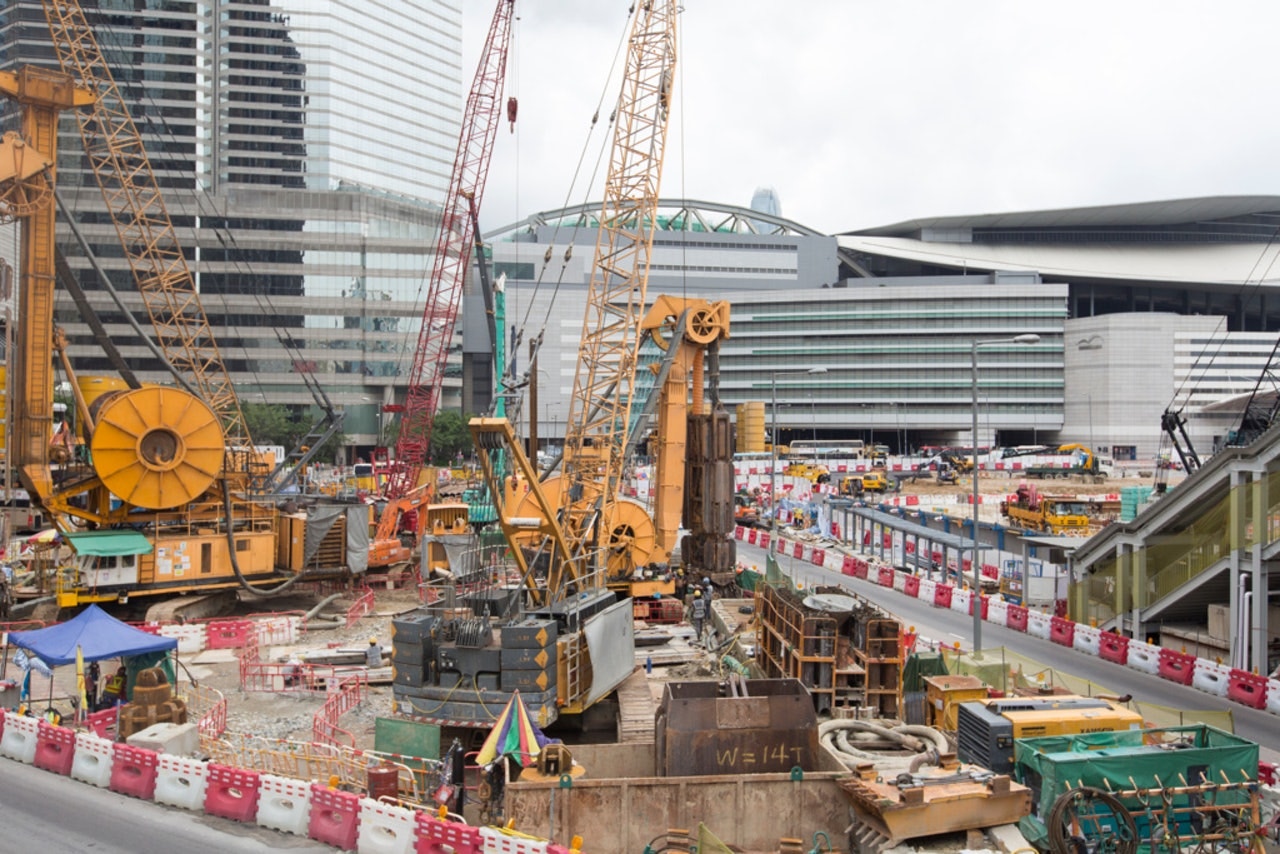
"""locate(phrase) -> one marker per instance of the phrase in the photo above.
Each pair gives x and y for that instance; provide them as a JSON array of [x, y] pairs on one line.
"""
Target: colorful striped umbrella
[[513, 734]]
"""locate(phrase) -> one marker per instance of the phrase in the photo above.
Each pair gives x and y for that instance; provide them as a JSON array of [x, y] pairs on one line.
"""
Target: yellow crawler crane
[[166, 488]]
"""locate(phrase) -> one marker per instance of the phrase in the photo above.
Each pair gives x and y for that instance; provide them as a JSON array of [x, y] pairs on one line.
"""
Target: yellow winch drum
[[156, 447]]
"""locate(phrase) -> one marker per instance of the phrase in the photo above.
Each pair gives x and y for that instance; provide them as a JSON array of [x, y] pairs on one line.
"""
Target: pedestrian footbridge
[[1214, 538]]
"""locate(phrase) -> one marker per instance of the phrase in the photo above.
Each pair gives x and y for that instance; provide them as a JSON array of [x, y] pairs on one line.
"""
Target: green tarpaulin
[[1129, 760], [109, 543]]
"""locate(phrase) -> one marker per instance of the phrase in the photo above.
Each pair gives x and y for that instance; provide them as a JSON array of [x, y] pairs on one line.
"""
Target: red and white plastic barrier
[[386, 829], [1210, 677], [284, 804], [232, 793], [1062, 631], [19, 738], [228, 634], [928, 591], [335, 817], [942, 594], [1039, 624], [446, 837], [181, 781], [998, 612], [190, 636], [1086, 639], [1176, 666], [900, 581], [1113, 647], [55, 748], [911, 585], [494, 841], [1273, 696], [1144, 657], [1247, 689], [1017, 619], [960, 600], [93, 760], [133, 771]]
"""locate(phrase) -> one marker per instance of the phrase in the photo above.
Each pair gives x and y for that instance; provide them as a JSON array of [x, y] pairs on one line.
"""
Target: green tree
[[273, 424], [450, 436]]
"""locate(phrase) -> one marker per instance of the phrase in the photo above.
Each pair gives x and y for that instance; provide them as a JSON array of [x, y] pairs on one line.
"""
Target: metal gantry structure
[[452, 256]]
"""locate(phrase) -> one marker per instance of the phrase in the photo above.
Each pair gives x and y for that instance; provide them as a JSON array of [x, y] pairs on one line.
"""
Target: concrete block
[[1008, 838], [171, 738]]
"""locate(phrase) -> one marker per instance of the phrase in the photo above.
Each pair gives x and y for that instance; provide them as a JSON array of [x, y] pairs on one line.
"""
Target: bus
[[802, 449]]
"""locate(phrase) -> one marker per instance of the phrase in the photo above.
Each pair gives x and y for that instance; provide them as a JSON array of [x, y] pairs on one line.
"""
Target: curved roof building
[[870, 333]]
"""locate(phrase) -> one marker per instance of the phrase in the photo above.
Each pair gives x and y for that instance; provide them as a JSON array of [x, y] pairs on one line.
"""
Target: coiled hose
[[889, 747]]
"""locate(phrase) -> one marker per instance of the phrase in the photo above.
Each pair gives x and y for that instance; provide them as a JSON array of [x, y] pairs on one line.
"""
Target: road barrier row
[[1239, 686], [347, 820]]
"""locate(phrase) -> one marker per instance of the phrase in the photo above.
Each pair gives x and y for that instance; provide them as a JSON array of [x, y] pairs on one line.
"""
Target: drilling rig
[[162, 504], [563, 638]]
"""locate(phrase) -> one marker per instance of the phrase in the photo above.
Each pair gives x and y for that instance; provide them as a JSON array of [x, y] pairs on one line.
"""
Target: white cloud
[[862, 113]]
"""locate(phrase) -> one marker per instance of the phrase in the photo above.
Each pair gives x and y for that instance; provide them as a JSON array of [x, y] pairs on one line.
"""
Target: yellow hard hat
[[373, 640], [697, 593]]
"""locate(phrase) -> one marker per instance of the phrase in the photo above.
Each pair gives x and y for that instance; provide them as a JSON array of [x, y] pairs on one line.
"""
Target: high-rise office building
[[303, 148]]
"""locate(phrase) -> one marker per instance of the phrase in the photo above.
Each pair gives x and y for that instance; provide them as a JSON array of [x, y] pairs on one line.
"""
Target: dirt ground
[[289, 716]]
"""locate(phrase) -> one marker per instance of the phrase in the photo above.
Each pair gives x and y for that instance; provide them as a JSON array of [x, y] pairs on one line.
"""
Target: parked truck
[[1051, 514]]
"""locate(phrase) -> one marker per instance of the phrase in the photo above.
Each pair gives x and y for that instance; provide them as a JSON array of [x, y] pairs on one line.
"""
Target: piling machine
[[163, 502], [564, 638]]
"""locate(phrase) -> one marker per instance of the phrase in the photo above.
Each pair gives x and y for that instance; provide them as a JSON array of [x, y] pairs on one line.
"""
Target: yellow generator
[[986, 730]]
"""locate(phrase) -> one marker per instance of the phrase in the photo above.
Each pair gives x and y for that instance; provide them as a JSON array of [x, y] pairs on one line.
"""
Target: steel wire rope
[[1122, 838], [1251, 283], [619, 52]]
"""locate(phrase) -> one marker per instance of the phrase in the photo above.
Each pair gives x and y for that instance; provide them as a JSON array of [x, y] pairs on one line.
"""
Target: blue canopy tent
[[93, 634], [96, 633]]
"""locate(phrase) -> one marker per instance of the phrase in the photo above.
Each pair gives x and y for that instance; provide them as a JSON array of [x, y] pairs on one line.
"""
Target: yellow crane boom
[[600, 408]]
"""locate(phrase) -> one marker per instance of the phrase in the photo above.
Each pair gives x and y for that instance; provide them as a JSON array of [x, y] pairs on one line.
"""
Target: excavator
[[162, 503], [564, 637]]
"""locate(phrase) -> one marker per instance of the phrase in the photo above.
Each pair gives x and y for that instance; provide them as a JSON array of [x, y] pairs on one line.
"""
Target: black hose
[[235, 564]]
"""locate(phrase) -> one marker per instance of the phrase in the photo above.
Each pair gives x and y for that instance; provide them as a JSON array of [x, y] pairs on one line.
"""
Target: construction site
[[666, 630]]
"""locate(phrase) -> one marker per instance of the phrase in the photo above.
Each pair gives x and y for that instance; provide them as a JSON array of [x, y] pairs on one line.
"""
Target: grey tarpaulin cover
[[321, 519]]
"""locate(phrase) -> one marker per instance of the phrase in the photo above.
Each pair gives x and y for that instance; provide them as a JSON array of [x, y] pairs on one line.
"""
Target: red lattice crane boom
[[453, 255]]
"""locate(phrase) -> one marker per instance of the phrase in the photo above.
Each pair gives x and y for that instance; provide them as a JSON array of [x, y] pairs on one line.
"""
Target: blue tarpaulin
[[94, 631]]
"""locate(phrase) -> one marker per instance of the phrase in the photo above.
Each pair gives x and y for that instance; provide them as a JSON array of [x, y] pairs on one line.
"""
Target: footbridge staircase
[[1214, 538]]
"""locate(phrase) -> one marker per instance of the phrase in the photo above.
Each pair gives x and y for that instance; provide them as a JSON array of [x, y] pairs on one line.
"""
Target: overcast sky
[[867, 113]]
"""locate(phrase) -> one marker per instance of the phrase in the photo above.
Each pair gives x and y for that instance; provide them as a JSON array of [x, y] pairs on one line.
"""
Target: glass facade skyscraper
[[303, 148]]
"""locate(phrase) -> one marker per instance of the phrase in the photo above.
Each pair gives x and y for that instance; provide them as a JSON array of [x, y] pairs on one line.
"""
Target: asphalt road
[[949, 626], [51, 814]]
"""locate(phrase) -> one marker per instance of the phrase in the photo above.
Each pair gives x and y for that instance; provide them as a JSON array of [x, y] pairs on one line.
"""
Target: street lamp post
[[1030, 338]]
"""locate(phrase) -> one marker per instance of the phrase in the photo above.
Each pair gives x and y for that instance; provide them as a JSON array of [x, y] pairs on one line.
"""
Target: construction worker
[[698, 614], [373, 655], [113, 692]]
